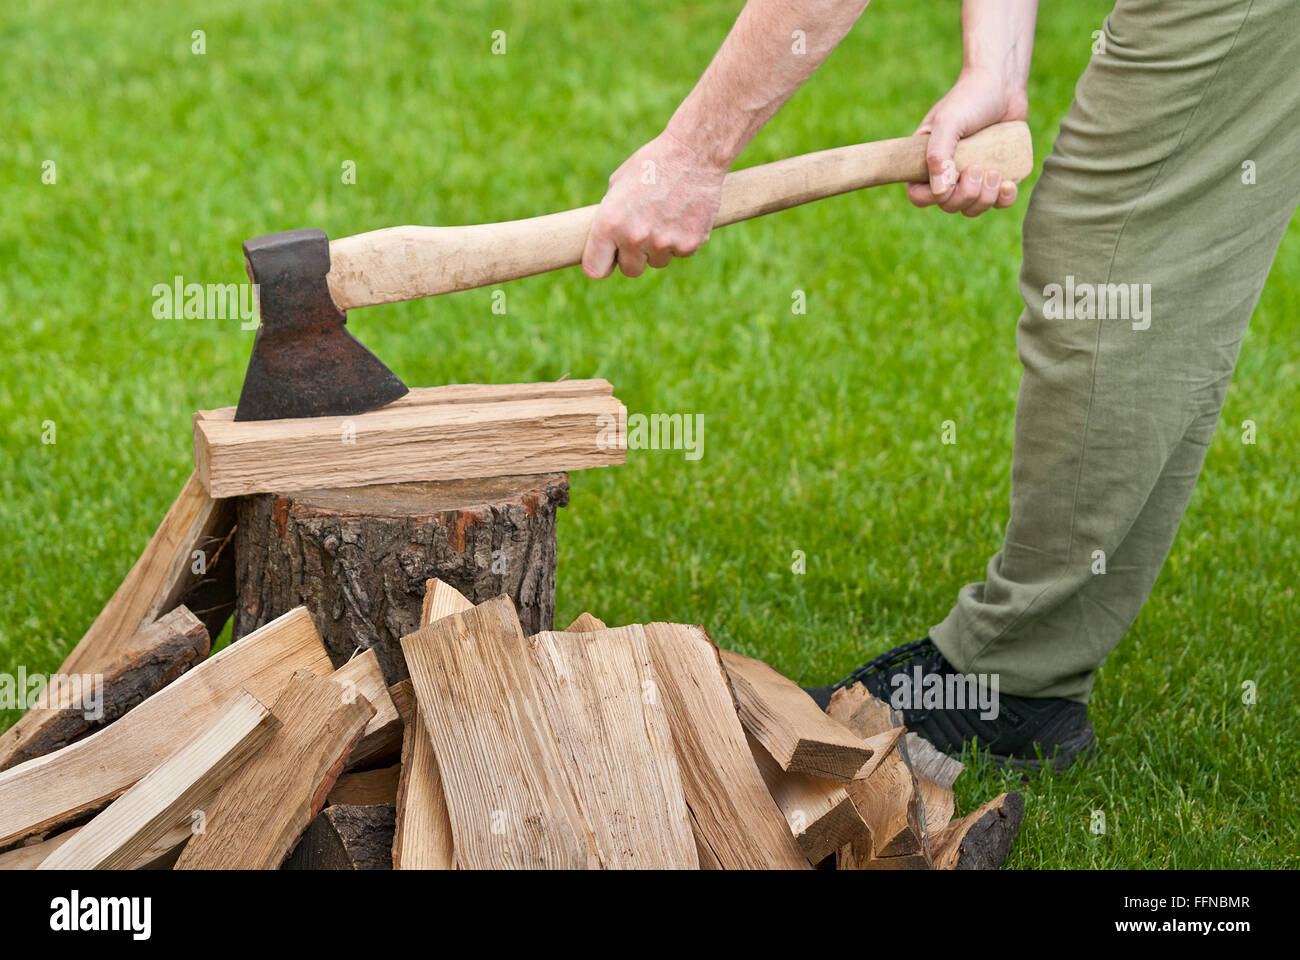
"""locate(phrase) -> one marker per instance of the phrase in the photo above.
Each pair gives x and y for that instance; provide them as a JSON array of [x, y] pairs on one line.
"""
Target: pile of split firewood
[[640, 746], [454, 738]]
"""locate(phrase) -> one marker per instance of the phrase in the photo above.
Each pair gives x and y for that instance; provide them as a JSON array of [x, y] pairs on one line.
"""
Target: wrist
[[710, 147], [1007, 86]]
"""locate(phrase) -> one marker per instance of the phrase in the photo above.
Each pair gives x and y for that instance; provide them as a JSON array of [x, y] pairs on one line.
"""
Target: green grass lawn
[[822, 431]]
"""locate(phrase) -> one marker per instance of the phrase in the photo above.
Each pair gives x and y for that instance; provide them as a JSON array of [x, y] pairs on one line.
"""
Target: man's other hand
[[660, 204], [978, 100]]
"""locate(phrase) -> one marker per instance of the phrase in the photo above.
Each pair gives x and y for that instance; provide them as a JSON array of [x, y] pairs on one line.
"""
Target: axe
[[306, 364]]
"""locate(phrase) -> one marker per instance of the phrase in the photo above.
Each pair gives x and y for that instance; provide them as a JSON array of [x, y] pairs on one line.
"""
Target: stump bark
[[358, 558]]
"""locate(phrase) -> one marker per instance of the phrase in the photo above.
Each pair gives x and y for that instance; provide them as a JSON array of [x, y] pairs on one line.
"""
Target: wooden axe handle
[[404, 263]]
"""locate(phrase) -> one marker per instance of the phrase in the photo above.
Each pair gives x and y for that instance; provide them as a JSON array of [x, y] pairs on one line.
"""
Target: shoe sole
[[1076, 749]]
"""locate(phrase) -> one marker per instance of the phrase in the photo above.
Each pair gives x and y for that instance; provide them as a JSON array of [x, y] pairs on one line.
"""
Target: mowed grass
[[821, 431]]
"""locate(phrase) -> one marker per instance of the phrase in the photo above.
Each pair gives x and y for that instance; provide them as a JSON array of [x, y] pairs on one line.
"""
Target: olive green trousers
[[1147, 242]]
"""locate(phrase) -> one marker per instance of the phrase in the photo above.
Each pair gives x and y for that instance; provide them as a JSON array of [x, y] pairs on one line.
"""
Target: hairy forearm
[[774, 46], [998, 37]]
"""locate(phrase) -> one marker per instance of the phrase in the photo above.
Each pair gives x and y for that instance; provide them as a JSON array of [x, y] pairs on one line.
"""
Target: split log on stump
[[347, 837], [359, 558]]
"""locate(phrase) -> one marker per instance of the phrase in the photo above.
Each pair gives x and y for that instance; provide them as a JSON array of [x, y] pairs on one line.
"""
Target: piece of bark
[[508, 797], [359, 558], [347, 837], [39, 795], [259, 813], [181, 557], [734, 815], [155, 656], [145, 813], [368, 788], [598, 690], [788, 724], [820, 813], [981, 840], [413, 442], [585, 623], [382, 741], [422, 838]]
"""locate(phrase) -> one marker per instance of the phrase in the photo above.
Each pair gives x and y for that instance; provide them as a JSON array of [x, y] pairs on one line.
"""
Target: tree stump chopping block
[[358, 558]]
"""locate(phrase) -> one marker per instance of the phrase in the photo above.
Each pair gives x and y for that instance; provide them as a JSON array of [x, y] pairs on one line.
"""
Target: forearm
[[662, 201], [998, 37], [757, 69]]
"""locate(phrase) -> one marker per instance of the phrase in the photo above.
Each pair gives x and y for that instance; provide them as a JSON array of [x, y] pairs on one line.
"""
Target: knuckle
[[688, 242], [635, 235]]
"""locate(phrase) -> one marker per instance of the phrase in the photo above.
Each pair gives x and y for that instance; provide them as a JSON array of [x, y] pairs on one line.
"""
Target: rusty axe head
[[304, 362]]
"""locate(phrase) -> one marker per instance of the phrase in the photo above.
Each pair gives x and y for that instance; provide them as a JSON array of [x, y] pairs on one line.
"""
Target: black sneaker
[[1024, 726]]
